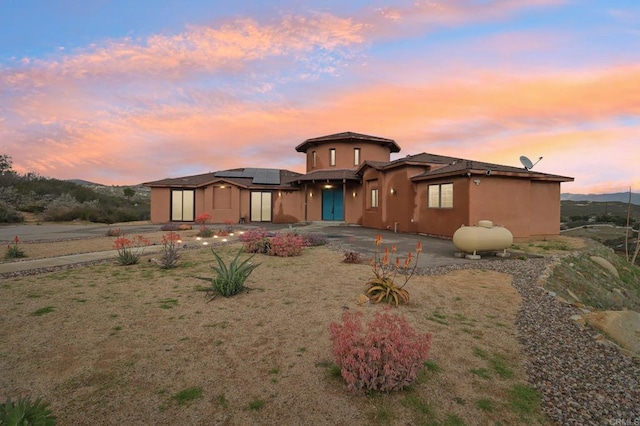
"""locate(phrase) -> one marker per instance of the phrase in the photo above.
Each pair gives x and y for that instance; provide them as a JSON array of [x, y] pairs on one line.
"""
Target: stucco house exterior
[[350, 178]]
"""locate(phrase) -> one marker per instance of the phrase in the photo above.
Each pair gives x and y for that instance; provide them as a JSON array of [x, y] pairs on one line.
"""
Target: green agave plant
[[25, 412], [230, 279]]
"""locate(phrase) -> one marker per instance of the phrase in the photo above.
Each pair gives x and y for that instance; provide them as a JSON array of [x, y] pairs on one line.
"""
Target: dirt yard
[[107, 344]]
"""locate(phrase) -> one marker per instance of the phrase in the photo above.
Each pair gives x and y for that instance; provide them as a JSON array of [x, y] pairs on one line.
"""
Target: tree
[[6, 163], [128, 192]]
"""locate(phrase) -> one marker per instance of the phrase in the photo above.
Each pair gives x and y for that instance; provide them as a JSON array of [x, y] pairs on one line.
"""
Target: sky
[[123, 92]]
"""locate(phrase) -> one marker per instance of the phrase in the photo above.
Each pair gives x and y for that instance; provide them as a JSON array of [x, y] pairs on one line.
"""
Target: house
[[351, 178]]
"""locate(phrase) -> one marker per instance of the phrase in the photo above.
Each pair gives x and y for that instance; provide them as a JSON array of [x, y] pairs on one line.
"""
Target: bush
[[169, 254], [8, 214], [255, 241], [286, 245], [386, 356], [14, 251], [129, 251], [230, 279], [26, 412], [352, 257], [314, 240]]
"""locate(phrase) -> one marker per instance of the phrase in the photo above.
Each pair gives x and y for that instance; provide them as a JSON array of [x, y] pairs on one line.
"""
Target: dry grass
[[136, 344]]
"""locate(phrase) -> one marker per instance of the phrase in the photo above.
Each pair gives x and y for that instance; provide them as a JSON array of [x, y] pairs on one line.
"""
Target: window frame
[[440, 189], [332, 157], [356, 156], [314, 159], [375, 198]]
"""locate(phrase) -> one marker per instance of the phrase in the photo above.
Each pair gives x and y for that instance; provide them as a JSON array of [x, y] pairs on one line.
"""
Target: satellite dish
[[528, 165]]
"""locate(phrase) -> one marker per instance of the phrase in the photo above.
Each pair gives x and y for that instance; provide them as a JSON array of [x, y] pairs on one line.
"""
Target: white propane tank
[[484, 237]]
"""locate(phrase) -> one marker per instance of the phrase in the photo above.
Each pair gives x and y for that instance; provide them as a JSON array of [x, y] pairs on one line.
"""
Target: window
[[332, 157], [182, 205], [440, 196], [374, 198], [314, 159], [356, 156]]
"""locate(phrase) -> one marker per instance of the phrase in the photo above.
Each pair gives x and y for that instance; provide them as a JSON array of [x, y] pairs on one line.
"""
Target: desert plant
[[169, 254], [228, 226], [382, 287], [129, 251], [230, 279], [313, 239], [286, 244], [26, 412], [13, 250], [255, 241], [204, 230], [385, 356], [352, 257], [114, 232]]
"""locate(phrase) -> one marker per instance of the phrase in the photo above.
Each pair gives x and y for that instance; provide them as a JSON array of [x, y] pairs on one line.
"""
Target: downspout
[[306, 202], [344, 200]]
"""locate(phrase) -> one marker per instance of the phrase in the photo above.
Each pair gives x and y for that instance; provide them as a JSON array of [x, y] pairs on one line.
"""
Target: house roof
[[348, 137], [441, 165], [471, 167], [244, 177], [328, 175]]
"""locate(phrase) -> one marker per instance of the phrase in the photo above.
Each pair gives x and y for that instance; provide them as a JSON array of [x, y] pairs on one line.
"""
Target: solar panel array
[[258, 176]]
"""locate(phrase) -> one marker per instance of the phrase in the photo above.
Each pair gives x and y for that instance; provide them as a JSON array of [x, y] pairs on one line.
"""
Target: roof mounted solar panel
[[267, 177]]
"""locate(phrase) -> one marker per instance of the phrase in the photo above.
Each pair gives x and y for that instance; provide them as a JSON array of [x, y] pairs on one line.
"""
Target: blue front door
[[332, 204]]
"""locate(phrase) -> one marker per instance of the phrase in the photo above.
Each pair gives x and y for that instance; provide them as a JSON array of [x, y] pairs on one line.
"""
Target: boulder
[[604, 263], [622, 326]]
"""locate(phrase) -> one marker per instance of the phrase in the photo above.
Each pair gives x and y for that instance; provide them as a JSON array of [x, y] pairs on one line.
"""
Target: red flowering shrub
[[255, 241], [129, 251], [286, 244], [386, 356], [169, 254]]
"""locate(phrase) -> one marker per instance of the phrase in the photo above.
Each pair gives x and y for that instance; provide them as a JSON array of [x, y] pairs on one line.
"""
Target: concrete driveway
[[436, 251]]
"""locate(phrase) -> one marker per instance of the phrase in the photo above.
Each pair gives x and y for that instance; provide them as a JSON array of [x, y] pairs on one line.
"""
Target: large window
[[356, 156], [332, 157], [440, 196], [374, 197], [260, 206], [182, 205]]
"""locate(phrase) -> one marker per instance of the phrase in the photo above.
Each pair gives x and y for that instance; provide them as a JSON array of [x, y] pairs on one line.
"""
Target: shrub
[[255, 241], [169, 254], [286, 244], [129, 251], [204, 231], [382, 287], [386, 356], [13, 250], [114, 232], [314, 240], [8, 214], [230, 279], [170, 227], [26, 412], [352, 257]]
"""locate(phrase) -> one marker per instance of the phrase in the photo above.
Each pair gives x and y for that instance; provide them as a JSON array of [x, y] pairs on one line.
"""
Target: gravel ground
[[581, 381]]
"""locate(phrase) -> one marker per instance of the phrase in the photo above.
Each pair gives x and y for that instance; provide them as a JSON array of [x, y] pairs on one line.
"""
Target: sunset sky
[[123, 92]]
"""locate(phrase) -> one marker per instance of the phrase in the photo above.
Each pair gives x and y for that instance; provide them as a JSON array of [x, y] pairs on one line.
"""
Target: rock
[[570, 293], [622, 326], [362, 299], [552, 294], [604, 263], [578, 319]]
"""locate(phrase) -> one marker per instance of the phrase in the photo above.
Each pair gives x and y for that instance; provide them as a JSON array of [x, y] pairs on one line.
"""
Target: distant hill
[[622, 197], [84, 182]]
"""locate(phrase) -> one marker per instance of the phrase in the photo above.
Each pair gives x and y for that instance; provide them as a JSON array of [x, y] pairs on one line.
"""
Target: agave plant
[[383, 288], [230, 279], [24, 411]]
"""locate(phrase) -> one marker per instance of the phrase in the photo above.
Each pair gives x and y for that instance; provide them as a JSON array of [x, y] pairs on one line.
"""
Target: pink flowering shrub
[[385, 356], [255, 241], [286, 244]]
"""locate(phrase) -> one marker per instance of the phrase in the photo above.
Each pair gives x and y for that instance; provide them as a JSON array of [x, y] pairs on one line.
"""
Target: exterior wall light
[[310, 194], [393, 191], [355, 194]]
